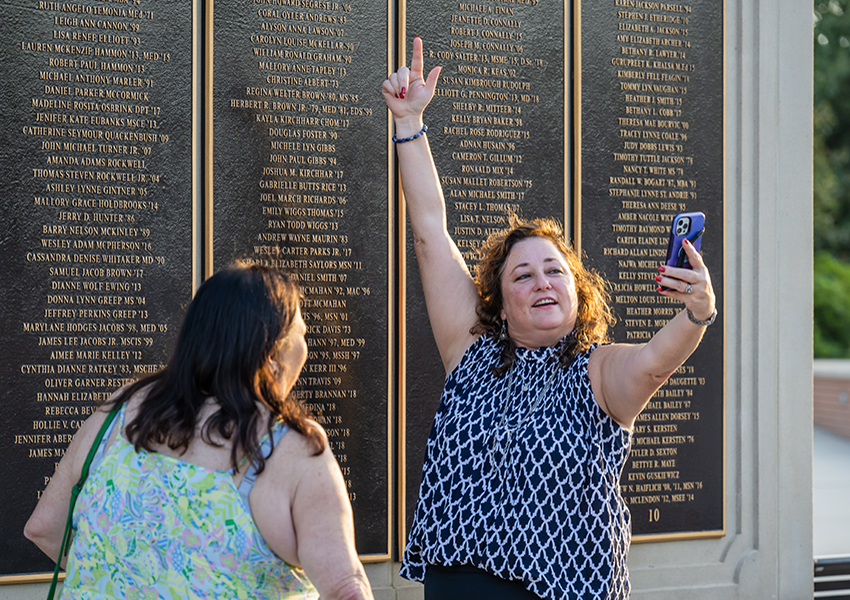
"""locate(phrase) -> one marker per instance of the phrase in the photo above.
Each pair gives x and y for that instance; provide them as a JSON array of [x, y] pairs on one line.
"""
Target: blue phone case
[[685, 226]]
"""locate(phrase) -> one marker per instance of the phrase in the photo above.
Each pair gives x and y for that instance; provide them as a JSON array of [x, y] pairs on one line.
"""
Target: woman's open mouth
[[544, 302]]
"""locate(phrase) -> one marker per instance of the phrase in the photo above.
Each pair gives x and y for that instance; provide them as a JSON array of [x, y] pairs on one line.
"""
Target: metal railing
[[832, 577]]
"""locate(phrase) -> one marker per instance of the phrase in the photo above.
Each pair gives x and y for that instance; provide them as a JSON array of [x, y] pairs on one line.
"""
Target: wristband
[[696, 321], [411, 138]]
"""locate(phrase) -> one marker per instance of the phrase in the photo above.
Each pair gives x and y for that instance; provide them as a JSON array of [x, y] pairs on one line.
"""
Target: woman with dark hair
[[520, 488], [211, 482]]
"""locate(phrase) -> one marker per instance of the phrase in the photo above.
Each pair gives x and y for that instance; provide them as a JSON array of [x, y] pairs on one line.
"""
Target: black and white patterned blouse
[[524, 485]]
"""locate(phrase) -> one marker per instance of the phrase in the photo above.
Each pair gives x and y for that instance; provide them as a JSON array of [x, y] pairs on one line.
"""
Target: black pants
[[466, 582]]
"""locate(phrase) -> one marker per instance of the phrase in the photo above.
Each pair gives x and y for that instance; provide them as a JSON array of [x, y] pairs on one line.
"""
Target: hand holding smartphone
[[685, 226]]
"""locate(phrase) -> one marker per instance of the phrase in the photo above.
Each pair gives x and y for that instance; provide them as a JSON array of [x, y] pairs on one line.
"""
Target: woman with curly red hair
[[520, 488]]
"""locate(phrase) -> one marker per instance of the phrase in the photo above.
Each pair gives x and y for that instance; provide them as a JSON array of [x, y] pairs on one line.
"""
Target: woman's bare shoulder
[[296, 453], [300, 444]]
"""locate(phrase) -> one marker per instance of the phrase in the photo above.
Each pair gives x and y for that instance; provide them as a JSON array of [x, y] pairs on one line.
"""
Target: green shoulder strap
[[75, 491]]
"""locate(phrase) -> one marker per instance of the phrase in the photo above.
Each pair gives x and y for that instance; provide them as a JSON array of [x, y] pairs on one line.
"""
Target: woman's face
[[539, 300], [292, 354]]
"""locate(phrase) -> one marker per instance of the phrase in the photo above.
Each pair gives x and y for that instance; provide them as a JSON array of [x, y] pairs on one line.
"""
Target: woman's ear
[[274, 367]]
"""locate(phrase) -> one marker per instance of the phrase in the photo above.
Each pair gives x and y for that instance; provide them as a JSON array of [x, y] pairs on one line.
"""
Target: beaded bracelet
[[411, 138], [706, 323]]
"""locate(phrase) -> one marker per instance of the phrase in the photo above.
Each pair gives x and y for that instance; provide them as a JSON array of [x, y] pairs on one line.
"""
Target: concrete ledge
[[834, 368]]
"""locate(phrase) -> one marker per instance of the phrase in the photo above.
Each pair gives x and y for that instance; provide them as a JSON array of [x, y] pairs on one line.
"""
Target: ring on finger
[[689, 289]]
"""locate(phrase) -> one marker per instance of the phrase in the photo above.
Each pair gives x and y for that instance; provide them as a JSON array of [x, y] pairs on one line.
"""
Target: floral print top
[[151, 526]]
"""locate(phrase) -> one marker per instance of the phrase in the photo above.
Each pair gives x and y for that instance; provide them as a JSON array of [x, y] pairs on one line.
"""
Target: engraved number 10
[[654, 515]]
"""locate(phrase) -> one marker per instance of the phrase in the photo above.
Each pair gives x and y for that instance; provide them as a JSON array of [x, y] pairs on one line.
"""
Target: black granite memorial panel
[[300, 180], [96, 226], [651, 147], [498, 131]]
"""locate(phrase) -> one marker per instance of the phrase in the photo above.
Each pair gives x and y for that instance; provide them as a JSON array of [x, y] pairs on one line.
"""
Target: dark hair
[[232, 326], [594, 314]]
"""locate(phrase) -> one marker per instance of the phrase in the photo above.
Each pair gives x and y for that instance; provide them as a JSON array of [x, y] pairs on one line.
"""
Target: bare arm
[[625, 376], [450, 293], [310, 490], [46, 525]]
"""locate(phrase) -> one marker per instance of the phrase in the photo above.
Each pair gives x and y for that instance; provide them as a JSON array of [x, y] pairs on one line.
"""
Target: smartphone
[[685, 226]]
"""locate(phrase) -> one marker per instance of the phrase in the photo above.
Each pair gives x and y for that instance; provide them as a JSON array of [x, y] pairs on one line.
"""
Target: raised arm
[[450, 293], [625, 376]]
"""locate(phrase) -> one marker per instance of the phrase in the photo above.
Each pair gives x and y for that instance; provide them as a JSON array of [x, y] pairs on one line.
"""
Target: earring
[[503, 334]]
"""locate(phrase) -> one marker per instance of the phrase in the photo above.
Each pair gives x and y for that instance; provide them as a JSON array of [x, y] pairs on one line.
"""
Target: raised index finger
[[416, 63]]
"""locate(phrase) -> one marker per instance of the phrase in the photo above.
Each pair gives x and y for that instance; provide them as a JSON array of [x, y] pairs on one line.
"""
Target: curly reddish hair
[[594, 313]]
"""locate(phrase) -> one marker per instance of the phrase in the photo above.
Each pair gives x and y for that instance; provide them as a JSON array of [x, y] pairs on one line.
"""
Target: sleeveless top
[[152, 526], [524, 484]]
